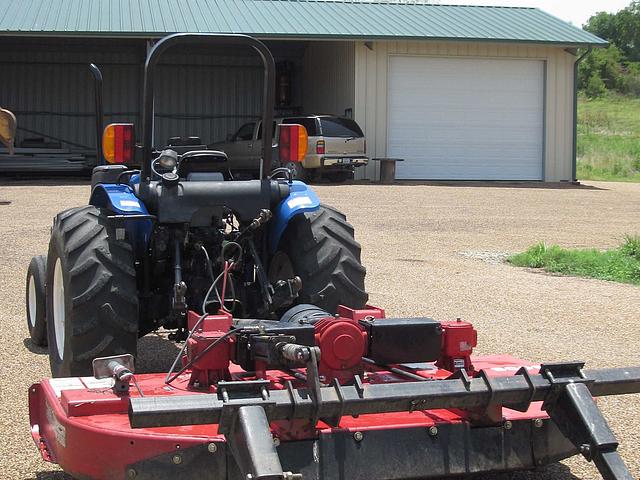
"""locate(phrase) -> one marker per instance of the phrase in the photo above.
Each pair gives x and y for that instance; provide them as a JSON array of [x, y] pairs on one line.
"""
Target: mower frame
[[498, 414]]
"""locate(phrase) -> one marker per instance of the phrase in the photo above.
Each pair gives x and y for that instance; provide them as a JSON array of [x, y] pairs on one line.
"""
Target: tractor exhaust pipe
[[99, 110]]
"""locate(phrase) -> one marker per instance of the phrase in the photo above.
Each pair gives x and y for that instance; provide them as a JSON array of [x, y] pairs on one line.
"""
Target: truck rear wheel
[[321, 249], [92, 304]]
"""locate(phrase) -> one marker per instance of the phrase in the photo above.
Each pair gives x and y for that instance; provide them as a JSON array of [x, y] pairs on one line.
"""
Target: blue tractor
[[180, 234]]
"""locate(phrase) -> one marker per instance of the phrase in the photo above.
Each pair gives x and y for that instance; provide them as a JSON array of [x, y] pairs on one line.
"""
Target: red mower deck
[[377, 421]]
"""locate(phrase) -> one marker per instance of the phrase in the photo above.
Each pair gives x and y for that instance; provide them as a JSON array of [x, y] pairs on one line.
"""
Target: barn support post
[[574, 160]]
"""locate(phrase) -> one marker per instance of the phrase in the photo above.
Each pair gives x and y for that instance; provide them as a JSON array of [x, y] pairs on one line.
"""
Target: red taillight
[[320, 147], [293, 143], [118, 143]]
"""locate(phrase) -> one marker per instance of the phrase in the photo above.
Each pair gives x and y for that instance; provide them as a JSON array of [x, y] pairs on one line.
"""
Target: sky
[[574, 11]]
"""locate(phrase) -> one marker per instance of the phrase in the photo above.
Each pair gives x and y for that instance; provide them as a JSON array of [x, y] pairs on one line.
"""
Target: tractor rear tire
[[35, 301], [92, 303], [323, 252]]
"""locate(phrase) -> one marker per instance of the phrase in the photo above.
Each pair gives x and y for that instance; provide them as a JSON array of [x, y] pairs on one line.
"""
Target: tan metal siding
[[329, 77], [371, 62]]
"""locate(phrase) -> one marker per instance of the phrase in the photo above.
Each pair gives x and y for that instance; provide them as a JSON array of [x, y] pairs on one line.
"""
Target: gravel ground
[[430, 250]]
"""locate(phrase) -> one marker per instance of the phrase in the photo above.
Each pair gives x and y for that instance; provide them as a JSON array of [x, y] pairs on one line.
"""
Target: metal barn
[[458, 92]]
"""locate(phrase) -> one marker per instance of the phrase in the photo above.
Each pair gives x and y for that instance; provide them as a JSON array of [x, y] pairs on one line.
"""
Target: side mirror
[[8, 127], [118, 143], [293, 143]]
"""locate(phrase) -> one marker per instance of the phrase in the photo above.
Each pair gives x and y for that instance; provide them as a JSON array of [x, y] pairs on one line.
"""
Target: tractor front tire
[[92, 303], [36, 320], [323, 252]]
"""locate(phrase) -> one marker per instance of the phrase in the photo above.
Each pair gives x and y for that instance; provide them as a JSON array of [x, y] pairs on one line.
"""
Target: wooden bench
[[387, 169]]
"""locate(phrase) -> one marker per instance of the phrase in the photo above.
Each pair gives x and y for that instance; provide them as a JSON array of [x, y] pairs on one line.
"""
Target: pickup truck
[[336, 147]]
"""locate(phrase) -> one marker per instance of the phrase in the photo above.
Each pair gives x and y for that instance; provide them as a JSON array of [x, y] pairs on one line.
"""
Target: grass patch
[[619, 265], [609, 139]]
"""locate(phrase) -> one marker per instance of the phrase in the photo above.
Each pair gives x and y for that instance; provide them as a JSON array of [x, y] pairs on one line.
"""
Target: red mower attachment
[[321, 397]]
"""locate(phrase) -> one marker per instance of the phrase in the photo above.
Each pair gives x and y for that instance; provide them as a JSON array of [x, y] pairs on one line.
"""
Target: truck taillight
[[320, 147], [293, 143], [118, 143]]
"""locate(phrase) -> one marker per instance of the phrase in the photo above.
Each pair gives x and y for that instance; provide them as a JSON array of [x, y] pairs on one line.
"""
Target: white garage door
[[466, 119]]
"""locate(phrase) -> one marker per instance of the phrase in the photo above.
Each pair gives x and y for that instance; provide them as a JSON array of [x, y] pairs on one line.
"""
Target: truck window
[[245, 132], [306, 122], [260, 131], [339, 127]]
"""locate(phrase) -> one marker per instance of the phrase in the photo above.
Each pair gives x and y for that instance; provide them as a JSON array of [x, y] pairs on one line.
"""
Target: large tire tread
[[37, 272], [326, 256], [101, 280]]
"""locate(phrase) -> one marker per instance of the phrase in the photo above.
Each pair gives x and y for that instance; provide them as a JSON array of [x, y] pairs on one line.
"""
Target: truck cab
[[336, 147]]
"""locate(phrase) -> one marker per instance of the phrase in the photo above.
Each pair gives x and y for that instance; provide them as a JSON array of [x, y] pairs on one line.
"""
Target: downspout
[[574, 164]]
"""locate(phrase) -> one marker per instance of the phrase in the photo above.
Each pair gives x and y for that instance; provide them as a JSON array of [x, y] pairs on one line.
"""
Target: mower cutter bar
[[244, 410], [515, 392]]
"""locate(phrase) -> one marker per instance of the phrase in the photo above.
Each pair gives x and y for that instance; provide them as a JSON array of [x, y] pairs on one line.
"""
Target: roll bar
[[206, 39]]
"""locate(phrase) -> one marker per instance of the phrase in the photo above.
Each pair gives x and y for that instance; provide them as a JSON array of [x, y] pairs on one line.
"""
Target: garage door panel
[[466, 118], [458, 165]]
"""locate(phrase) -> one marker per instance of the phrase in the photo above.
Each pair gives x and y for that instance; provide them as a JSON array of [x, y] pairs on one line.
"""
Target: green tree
[[616, 67], [628, 31], [621, 29], [595, 87], [605, 64], [603, 25]]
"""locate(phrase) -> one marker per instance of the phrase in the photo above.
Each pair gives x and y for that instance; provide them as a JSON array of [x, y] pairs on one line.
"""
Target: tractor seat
[[183, 145], [205, 177], [204, 165]]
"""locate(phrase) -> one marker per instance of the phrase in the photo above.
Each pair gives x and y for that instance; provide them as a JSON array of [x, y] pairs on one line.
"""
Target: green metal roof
[[304, 19]]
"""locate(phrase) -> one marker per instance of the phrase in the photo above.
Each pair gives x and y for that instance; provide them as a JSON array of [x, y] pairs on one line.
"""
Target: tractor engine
[[202, 264], [211, 268], [184, 265]]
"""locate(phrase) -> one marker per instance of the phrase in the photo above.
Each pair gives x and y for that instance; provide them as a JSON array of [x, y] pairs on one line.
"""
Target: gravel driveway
[[432, 250]]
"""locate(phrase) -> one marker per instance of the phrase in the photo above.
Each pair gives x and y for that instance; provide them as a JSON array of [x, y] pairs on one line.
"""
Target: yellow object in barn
[[8, 126]]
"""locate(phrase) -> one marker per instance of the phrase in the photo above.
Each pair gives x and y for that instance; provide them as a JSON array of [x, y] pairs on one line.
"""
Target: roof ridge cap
[[422, 3]]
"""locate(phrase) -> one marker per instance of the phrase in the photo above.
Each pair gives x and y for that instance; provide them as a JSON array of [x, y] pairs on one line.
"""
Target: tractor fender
[[117, 197], [301, 199], [121, 200]]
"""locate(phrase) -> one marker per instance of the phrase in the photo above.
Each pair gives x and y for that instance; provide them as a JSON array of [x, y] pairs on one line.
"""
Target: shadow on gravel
[[67, 180], [50, 475], [29, 345], [556, 471], [473, 184], [553, 472], [156, 353], [43, 180]]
